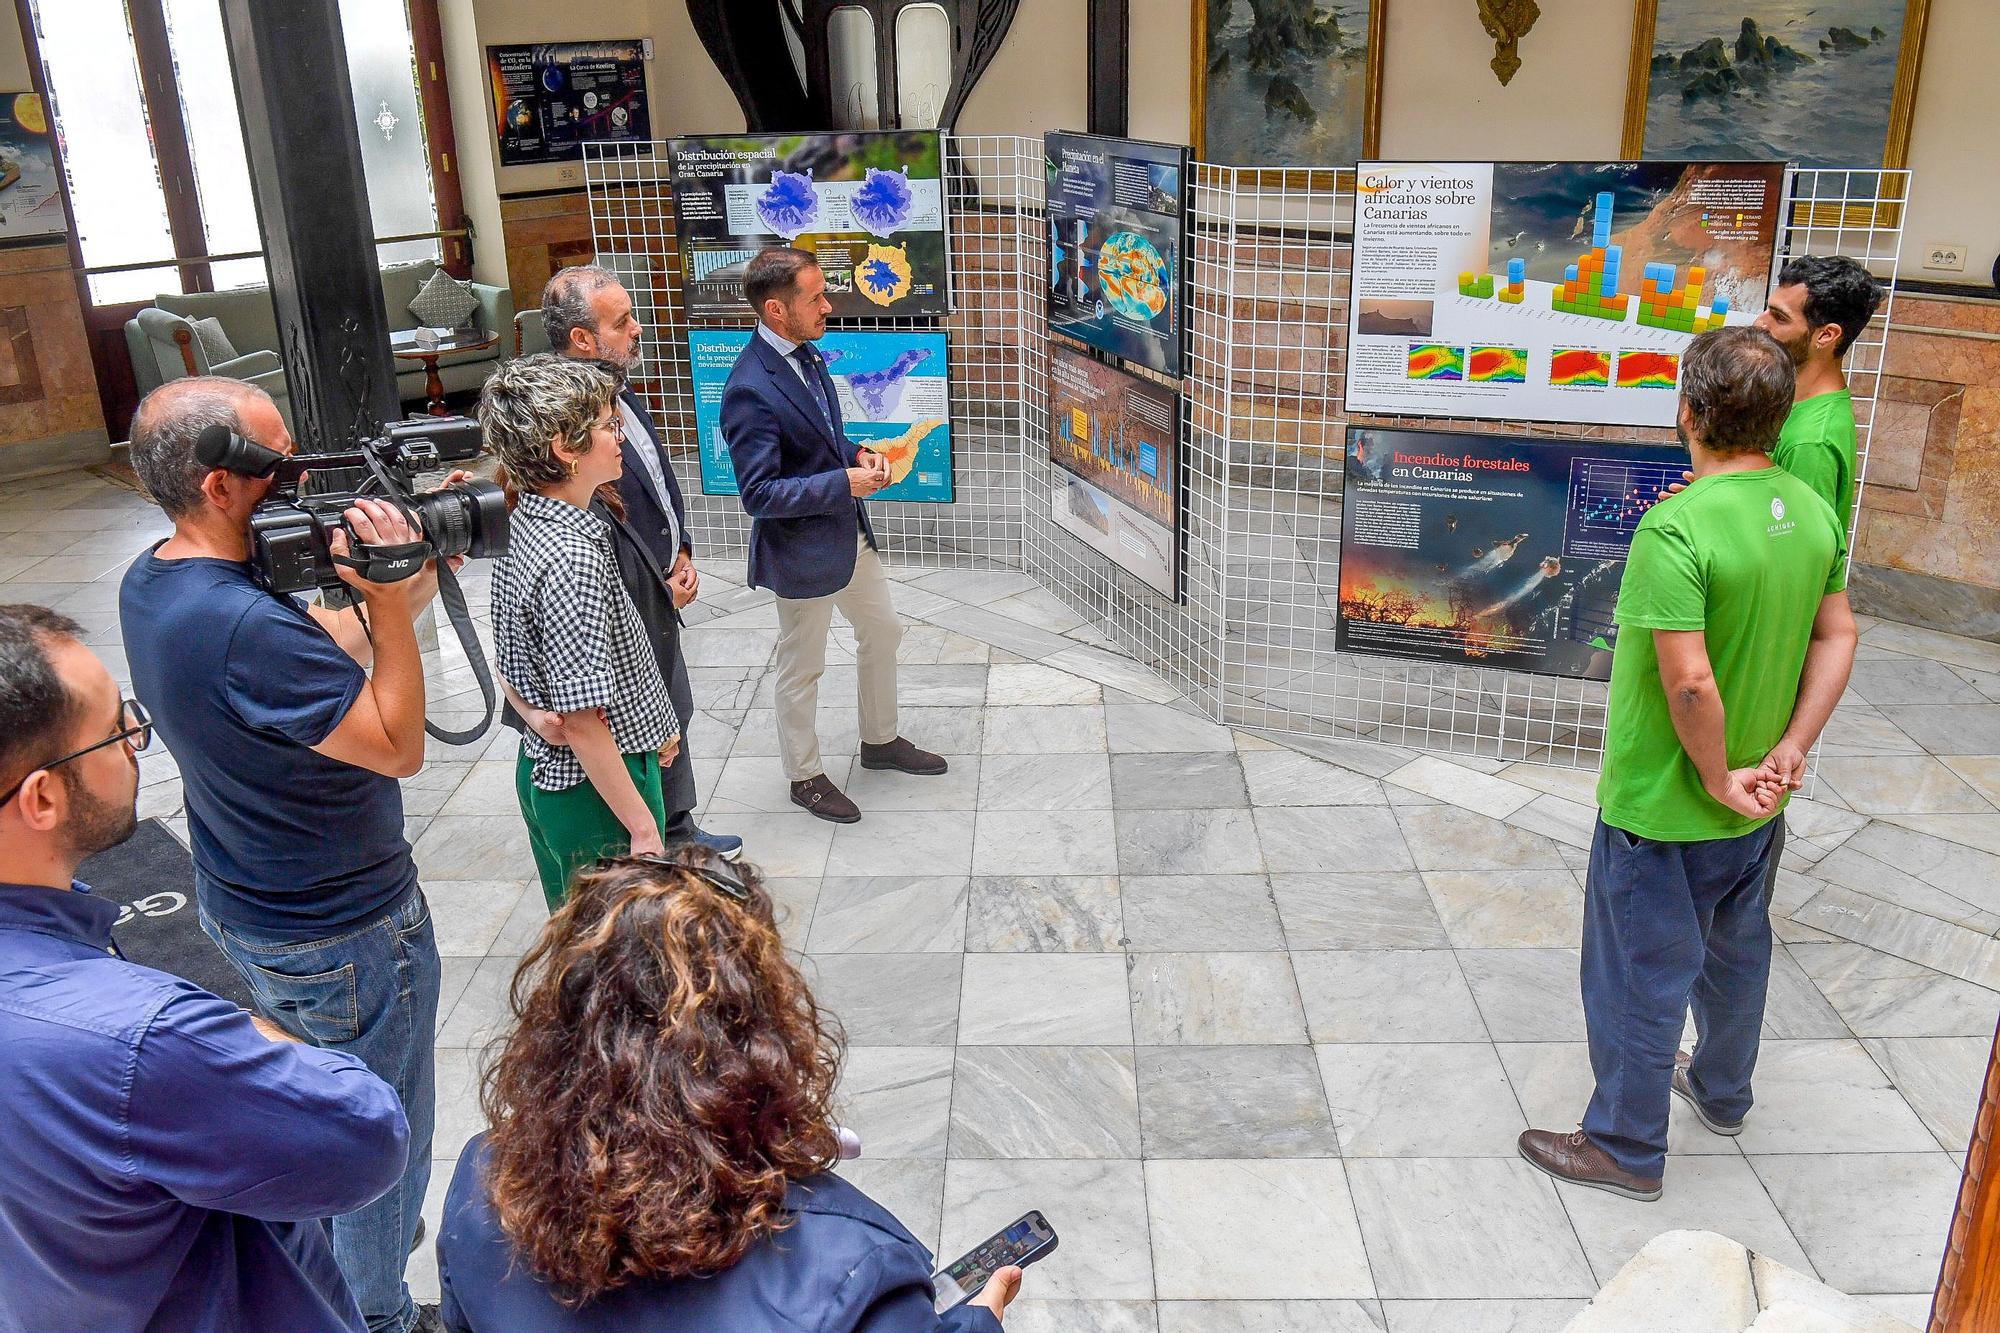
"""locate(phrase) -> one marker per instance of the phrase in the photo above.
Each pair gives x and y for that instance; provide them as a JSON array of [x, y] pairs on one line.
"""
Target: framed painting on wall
[[1821, 83], [1286, 83]]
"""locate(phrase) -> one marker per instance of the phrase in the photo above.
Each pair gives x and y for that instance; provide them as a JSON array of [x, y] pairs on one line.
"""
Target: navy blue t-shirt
[[241, 683]]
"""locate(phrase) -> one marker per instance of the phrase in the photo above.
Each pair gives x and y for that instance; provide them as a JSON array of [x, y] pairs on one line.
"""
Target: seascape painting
[[1807, 81], [1286, 82]]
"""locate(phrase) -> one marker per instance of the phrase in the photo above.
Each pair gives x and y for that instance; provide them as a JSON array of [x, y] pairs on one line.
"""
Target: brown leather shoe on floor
[[1573, 1157], [901, 755], [1685, 1091], [820, 797]]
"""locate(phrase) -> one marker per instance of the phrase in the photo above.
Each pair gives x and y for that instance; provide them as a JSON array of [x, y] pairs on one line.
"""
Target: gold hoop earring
[[572, 469]]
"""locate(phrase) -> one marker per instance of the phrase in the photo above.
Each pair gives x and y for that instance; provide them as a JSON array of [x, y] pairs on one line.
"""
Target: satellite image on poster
[[1491, 550], [1114, 440], [1549, 291], [871, 206], [30, 197], [895, 397], [1115, 229], [552, 98]]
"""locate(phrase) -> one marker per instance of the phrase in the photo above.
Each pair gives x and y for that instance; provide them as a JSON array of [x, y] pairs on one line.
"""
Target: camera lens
[[469, 518]]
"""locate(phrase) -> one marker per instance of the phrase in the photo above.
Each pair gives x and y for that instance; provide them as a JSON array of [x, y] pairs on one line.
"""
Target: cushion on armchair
[[212, 345], [444, 302]]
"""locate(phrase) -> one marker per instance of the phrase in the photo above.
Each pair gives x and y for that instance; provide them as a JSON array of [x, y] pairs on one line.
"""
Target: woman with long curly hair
[[662, 1137]]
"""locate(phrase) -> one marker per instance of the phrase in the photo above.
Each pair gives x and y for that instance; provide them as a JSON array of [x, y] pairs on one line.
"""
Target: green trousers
[[573, 827]]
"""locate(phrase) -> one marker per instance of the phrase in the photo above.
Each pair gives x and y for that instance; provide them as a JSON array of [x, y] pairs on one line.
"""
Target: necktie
[[803, 354]]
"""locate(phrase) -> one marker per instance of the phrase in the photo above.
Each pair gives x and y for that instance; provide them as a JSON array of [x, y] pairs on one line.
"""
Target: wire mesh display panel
[[1269, 253]]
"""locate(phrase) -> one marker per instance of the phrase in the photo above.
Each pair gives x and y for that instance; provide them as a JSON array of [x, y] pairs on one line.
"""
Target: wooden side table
[[405, 347]]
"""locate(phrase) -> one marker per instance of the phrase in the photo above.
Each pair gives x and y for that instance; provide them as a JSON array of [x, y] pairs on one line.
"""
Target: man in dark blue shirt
[[289, 752], [165, 1158]]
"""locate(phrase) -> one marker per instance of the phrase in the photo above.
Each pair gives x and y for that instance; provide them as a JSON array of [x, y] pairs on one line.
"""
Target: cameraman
[[289, 757]]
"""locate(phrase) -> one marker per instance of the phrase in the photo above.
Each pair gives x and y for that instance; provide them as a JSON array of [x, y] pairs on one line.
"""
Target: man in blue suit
[[587, 313], [802, 482]]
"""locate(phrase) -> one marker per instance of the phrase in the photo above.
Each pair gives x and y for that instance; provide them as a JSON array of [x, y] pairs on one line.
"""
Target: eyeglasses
[[616, 426], [135, 728], [718, 875]]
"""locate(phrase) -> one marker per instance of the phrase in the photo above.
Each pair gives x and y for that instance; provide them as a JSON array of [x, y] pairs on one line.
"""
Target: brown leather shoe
[[1685, 1091], [820, 797], [901, 755], [1573, 1157]]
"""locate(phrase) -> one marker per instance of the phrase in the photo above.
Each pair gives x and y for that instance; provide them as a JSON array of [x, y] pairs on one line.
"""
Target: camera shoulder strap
[[453, 598]]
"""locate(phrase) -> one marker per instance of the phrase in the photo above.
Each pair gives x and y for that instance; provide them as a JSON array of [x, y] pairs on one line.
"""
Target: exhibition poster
[[1114, 437], [30, 197], [552, 98], [871, 206], [895, 397], [1115, 243], [1491, 550], [1554, 291]]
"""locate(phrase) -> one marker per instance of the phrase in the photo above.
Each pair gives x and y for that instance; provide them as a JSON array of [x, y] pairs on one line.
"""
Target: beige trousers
[[802, 626]]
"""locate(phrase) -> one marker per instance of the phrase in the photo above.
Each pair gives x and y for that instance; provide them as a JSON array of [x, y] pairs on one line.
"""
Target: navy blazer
[[844, 1266], [635, 488], [792, 472]]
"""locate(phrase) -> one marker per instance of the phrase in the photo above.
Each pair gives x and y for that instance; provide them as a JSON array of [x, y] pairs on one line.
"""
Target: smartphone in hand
[[1020, 1244]]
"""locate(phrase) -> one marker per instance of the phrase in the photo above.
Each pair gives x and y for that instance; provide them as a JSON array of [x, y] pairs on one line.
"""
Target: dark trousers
[[677, 779], [1668, 926]]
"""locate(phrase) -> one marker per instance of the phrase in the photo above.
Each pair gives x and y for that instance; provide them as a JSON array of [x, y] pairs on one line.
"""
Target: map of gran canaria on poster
[[1549, 291], [1491, 550]]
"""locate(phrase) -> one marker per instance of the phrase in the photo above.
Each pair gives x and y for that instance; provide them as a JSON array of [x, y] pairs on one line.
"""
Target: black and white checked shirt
[[567, 638]]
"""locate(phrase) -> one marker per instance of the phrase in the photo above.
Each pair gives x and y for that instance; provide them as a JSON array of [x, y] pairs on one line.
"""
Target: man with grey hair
[[588, 314], [289, 752], [1734, 644]]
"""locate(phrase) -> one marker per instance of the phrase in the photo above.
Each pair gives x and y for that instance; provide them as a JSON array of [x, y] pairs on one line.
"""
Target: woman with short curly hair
[[661, 1140]]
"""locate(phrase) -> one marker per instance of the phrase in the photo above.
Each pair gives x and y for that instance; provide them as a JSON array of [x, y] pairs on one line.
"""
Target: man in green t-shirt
[[1734, 644], [1819, 307]]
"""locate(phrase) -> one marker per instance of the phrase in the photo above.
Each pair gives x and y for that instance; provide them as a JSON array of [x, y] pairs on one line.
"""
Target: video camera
[[291, 532]]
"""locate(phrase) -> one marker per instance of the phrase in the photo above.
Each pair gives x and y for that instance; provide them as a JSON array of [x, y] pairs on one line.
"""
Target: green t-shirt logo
[[1778, 507]]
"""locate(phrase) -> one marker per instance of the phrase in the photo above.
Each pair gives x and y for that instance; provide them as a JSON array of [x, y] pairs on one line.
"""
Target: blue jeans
[[372, 992], [1666, 926]]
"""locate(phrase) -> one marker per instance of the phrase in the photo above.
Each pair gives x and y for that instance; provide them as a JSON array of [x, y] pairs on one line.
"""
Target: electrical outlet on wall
[[573, 176], [1945, 256]]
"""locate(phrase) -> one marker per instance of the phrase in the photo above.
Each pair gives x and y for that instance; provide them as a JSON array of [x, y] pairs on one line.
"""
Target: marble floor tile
[[1045, 842], [1940, 1078], [1827, 1097], [1045, 999], [1114, 671], [887, 791], [1286, 777], [889, 999], [952, 686], [1930, 874], [1480, 1316], [1030, 1315], [1794, 1006], [524, 925], [912, 1189], [472, 846], [792, 904], [1045, 1101], [1855, 730], [1197, 781], [1044, 914], [1444, 837], [1036, 729], [1160, 729], [1939, 946], [1233, 1101], [1508, 909], [709, 646], [1035, 684], [1921, 642], [903, 842], [1981, 772], [1571, 784], [1526, 994], [890, 914], [458, 1115], [1569, 823], [975, 587], [466, 915], [1045, 782], [1215, 999], [1331, 838], [1390, 995], [1270, 1316], [1901, 784], [1000, 631], [1894, 1243], [1466, 788], [1184, 842], [785, 845], [424, 794], [1904, 680], [1420, 1099], [455, 973], [1981, 832], [1097, 1207], [1949, 728], [1164, 913], [1439, 1228], [1289, 1223], [1720, 1194], [896, 1099], [1370, 910], [482, 1014], [1552, 1081]]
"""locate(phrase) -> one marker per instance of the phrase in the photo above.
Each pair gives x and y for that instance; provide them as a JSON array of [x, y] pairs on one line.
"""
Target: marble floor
[[1255, 1026]]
